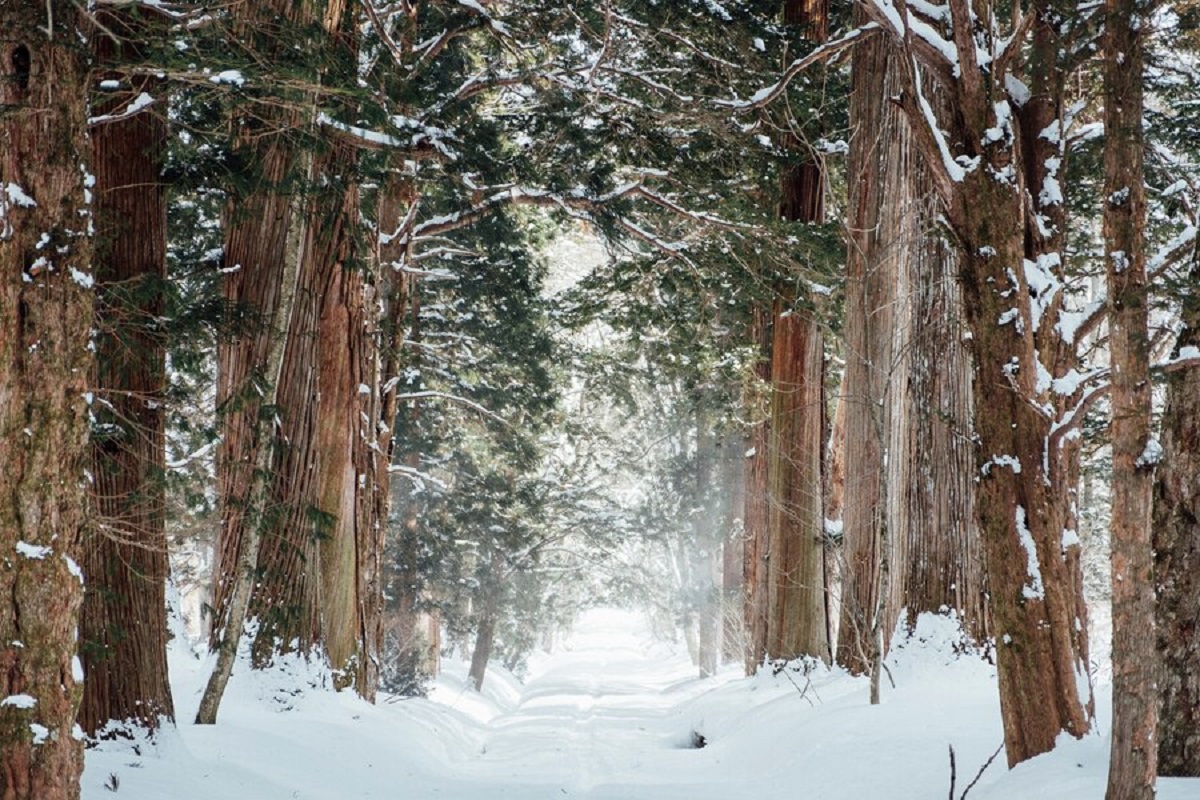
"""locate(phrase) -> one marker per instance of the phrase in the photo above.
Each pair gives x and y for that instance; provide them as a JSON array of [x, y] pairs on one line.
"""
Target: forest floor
[[612, 714]]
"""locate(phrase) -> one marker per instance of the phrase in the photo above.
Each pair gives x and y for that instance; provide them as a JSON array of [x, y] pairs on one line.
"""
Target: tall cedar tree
[[1176, 529], [320, 544], [796, 613], [261, 257], [1134, 763], [123, 633], [909, 536], [46, 306], [996, 177]]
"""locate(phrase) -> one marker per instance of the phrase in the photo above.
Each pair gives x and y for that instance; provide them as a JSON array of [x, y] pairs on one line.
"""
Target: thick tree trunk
[[1134, 763], [994, 162], [910, 536], [46, 306], [931, 467], [123, 631], [881, 224], [1177, 554], [796, 620], [262, 263], [1022, 504]]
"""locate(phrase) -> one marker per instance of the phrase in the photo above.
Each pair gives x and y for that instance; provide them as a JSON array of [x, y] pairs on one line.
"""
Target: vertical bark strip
[[754, 520], [796, 612], [1134, 763], [123, 630], [46, 305], [876, 252], [1177, 554]]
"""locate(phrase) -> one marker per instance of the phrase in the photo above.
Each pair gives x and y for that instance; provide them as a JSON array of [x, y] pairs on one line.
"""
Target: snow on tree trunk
[[994, 163], [123, 632], [909, 461], [46, 307]]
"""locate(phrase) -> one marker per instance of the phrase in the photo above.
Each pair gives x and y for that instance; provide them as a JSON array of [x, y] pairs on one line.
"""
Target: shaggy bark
[[1134, 763], [1176, 555], [46, 308], [123, 631], [910, 536], [997, 177]]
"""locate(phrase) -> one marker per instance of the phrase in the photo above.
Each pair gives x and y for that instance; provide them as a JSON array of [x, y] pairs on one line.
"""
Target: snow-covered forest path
[[607, 715], [610, 715]]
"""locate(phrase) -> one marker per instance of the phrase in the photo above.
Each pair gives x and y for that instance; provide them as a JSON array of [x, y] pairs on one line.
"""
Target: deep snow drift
[[611, 715]]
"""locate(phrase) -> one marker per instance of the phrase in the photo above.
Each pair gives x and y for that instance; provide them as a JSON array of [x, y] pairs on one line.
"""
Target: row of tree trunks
[[46, 317], [995, 174], [123, 630]]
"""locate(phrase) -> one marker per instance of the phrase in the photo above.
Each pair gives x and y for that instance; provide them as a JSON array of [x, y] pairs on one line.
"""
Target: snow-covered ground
[[613, 715]]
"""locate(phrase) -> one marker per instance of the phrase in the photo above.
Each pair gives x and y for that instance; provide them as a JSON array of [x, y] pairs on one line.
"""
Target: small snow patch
[[19, 701], [18, 197], [82, 278], [73, 568], [1034, 590], [1151, 455], [32, 550], [228, 77]]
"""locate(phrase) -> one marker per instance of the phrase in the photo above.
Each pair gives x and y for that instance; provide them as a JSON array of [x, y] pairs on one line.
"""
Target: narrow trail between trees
[[607, 715]]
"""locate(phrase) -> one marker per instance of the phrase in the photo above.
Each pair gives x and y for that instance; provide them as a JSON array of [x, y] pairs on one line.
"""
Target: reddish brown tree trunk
[[997, 176], [1133, 766], [323, 536], [796, 612], [46, 305], [910, 535], [1177, 554], [879, 208], [123, 630]]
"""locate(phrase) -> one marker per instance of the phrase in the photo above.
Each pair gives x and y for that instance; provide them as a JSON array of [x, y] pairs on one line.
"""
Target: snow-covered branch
[[454, 398], [767, 95]]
